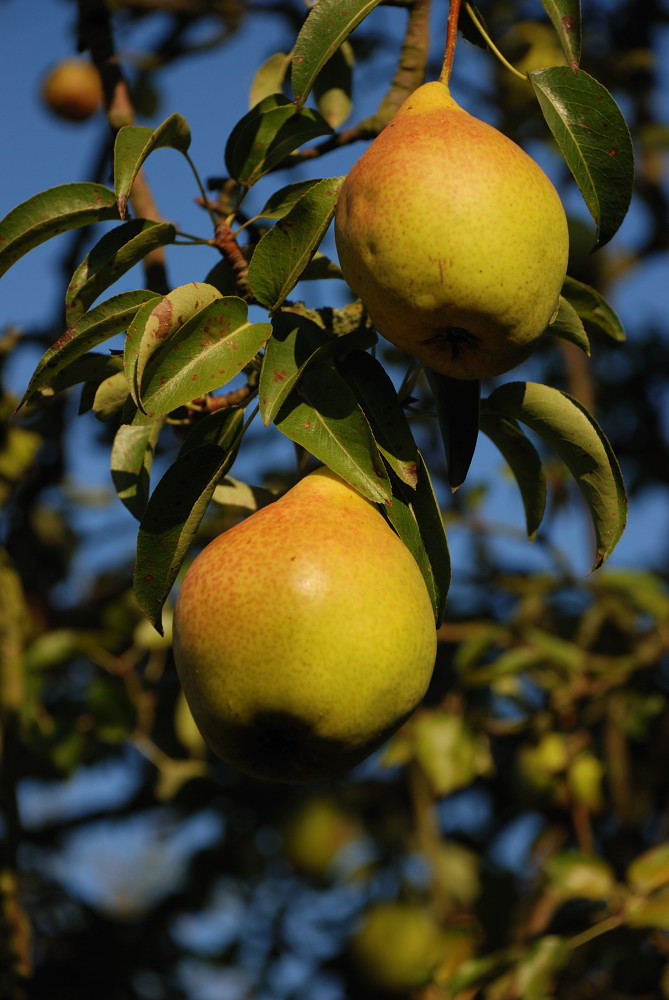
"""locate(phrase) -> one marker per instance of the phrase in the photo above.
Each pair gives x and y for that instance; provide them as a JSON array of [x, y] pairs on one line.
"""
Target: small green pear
[[304, 636], [398, 946], [454, 238]]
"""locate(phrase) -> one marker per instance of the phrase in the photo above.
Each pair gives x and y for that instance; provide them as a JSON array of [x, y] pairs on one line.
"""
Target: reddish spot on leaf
[[568, 23], [148, 578], [279, 376], [613, 151]]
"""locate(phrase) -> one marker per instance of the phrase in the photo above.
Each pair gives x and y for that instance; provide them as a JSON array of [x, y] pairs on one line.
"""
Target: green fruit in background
[[317, 833], [73, 90], [530, 45], [397, 946], [454, 238], [304, 636]]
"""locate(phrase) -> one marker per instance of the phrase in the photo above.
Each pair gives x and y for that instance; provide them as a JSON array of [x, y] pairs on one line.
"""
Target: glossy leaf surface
[[50, 213]]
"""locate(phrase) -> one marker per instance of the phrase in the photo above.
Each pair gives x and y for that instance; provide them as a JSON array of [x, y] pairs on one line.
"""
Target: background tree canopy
[[511, 841]]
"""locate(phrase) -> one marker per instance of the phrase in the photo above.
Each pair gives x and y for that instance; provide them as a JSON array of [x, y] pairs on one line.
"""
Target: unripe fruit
[[72, 90], [398, 946]]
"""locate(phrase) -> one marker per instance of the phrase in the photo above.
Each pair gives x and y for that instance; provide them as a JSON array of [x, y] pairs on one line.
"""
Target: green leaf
[[110, 396], [269, 78], [566, 18], [415, 516], [201, 355], [68, 206], [131, 460], [376, 394], [112, 256], [568, 326], [92, 367], [280, 202], [449, 752], [523, 460], [321, 268], [457, 402], [332, 86], [176, 508], [593, 308], [156, 322], [593, 136], [535, 972], [283, 253], [650, 870], [324, 417], [580, 876], [135, 142], [653, 912], [106, 320], [294, 342], [267, 134], [577, 438], [327, 26]]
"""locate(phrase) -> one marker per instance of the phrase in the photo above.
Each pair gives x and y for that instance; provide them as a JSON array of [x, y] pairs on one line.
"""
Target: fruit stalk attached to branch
[[453, 237]]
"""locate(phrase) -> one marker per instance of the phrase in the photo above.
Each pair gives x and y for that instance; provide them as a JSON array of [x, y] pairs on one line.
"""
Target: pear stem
[[451, 38], [491, 45]]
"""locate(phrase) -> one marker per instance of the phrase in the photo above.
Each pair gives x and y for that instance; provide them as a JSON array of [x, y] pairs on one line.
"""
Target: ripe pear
[[73, 90], [304, 636], [453, 237]]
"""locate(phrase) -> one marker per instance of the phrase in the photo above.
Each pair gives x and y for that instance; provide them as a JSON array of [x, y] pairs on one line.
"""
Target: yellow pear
[[304, 636], [453, 237], [73, 90]]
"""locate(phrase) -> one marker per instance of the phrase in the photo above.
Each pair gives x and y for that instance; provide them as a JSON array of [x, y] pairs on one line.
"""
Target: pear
[[453, 237], [398, 946], [304, 636]]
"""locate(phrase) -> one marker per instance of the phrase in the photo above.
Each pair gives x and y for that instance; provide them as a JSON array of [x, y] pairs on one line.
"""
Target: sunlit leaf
[[110, 396], [568, 326], [176, 508], [576, 875], [104, 321], [594, 139], [135, 142], [283, 253], [281, 201], [592, 307], [131, 460], [328, 25], [650, 870], [415, 516], [332, 86], [324, 417], [376, 394], [156, 323], [267, 134], [201, 355], [566, 18], [114, 254], [50, 213], [449, 752], [295, 340], [269, 78]]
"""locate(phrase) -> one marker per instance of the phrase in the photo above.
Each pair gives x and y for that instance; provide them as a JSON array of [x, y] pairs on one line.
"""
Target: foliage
[[522, 809]]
